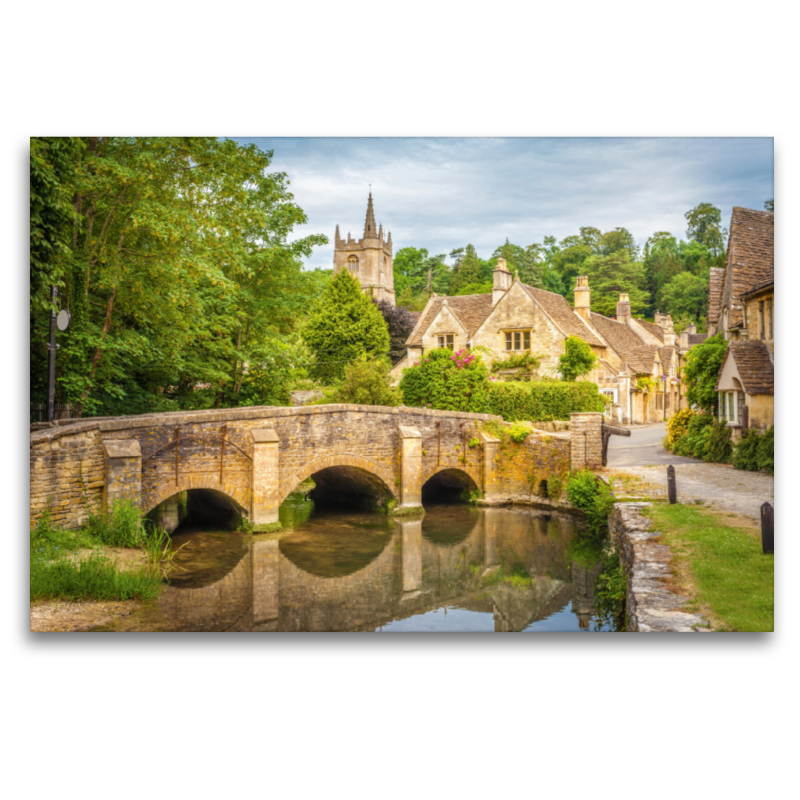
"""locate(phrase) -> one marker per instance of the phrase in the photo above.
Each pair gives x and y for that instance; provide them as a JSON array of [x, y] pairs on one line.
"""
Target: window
[[761, 319], [769, 318], [518, 340], [352, 264], [446, 340], [740, 406]]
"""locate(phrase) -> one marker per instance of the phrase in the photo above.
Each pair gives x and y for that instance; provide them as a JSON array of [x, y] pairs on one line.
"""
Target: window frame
[[447, 345], [514, 336]]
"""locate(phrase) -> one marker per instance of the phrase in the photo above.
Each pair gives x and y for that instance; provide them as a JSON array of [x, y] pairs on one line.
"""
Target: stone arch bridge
[[257, 456]]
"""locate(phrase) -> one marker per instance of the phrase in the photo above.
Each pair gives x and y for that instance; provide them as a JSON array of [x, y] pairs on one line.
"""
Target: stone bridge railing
[[257, 456]]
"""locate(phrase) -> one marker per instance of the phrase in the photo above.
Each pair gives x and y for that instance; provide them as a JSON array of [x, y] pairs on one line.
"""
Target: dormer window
[[518, 340], [445, 340]]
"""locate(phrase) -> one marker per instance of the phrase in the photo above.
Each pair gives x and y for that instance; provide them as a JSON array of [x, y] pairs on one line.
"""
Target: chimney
[[623, 308], [501, 280], [684, 339], [669, 330], [692, 328], [582, 297]]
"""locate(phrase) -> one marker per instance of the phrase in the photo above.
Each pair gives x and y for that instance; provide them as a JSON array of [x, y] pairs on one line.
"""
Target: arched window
[[352, 264]]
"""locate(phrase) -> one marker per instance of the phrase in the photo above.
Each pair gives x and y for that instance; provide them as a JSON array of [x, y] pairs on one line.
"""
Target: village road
[[718, 485]]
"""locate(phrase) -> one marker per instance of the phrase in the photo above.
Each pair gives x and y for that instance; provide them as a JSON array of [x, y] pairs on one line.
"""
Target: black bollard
[[767, 528], [672, 489]]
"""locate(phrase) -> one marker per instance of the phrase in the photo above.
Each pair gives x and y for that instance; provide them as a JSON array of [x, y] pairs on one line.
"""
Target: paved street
[[718, 485]]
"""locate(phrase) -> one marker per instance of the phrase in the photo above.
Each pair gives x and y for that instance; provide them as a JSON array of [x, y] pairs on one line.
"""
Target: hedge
[[543, 401]]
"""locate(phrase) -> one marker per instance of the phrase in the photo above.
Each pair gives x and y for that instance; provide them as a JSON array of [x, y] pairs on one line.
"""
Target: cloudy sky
[[445, 193]]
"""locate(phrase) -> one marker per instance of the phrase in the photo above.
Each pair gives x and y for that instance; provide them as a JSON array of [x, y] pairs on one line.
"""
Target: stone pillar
[[492, 482], [266, 480], [410, 468], [412, 554], [586, 439], [266, 583], [123, 470]]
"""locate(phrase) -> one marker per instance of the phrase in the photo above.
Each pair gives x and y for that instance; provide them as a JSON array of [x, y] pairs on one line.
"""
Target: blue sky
[[443, 193]]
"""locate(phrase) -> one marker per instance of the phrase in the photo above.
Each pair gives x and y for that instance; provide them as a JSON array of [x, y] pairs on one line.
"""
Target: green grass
[[726, 571]]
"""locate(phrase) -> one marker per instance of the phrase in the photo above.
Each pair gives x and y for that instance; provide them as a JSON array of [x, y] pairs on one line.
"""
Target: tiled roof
[[715, 281], [618, 335], [754, 365], [760, 287], [696, 338], [561, 312], [470, 310], [651, 327], [751, 256], [642, 359], [665, 355]]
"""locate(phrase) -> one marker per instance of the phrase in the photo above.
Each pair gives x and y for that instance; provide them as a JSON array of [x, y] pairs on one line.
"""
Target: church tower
[[368, 258]]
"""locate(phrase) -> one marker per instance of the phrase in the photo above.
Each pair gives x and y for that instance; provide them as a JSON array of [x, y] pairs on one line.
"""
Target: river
[[457, 569]]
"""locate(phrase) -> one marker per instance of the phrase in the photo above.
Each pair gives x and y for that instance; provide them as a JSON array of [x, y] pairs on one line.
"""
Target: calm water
[[457, 569]]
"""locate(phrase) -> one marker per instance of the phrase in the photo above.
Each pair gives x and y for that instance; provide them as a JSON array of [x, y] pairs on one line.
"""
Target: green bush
[[121, 526], [719, 447], [766, 451], [578, 359], [448, 381], [594, 497], [745, 455], [542, 401], [365, 382]]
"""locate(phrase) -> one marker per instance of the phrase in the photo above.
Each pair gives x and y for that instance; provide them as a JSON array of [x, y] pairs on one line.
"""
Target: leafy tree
[[400, 322], [770, 206], [274, 367], [551, 281], [475, 288], [570, 261], [408, 268], [578, 359], [592, 238], [469, 270], [620, 239], [365, 382], [685, 296], [611, 275], [343, 325], [513, 254], [700, 370], [705, 226]]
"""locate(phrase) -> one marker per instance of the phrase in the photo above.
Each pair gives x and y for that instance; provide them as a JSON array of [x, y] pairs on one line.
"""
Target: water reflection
[[459, 568]]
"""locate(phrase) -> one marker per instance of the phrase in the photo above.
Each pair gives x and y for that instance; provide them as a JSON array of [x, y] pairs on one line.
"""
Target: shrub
[[766, 451], [400, 322], [696, 436], [542, 401], [745, 455], [719, 447], [677, 426], [594, 497], [365, 382], [578, 359], [121, 526], [525, 360], [448, 381], [701, 369]]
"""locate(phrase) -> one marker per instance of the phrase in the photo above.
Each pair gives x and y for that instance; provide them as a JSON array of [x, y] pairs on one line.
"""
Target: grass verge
[[719, 566]]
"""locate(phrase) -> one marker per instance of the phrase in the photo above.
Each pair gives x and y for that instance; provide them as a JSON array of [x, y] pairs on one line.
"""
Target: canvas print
[[401, 385]]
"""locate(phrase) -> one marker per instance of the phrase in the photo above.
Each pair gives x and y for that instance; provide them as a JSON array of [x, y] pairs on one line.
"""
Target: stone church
[[368, 258]]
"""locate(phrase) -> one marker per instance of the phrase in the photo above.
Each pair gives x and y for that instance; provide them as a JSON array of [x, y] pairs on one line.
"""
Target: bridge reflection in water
[[345, 570]]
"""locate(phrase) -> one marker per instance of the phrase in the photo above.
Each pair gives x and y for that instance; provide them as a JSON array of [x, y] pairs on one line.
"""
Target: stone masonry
[[257, 456]]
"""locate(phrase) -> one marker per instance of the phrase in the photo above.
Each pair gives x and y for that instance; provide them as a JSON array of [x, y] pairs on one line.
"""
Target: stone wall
[[651, 606], [587, 439]]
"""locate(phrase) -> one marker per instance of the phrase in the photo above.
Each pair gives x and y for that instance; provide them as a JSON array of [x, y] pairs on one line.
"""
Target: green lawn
[[723, 567]]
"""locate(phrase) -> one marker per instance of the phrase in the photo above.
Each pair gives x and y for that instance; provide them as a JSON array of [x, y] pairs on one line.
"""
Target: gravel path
[[721, 486]]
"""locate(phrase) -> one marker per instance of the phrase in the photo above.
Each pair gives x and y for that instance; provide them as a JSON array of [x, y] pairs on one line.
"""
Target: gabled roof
[[715, 281], [642, 359], [751, 256], [561, 312], [651, 327], [665, 354], [618, 335], [754, 365], [760, 287], [696, 338], [470, 310]]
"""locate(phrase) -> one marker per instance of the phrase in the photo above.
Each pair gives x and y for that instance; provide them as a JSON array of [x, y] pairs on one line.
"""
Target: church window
[[352, 264], [518, 340], [446, 340]]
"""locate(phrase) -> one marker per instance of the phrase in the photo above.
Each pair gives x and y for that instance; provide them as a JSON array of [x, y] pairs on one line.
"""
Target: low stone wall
[[651, 606]]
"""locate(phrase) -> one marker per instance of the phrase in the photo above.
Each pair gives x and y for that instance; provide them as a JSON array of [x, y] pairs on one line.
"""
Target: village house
[[638, 361], [741, 306]]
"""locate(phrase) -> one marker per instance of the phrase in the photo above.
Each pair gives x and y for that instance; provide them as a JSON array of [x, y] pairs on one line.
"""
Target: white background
[[408, 717]]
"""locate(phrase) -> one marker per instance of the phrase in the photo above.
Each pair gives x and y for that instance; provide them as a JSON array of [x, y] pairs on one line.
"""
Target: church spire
[[369, 225]]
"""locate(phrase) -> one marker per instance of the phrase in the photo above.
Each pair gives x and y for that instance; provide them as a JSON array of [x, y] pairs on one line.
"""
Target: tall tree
[[469, 271], [770, 206], [611, 275], [705, 226], [620, 239]]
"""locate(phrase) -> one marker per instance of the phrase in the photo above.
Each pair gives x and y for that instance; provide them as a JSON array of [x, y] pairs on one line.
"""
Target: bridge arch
[[359, 470], [164, 491], [448, 480]]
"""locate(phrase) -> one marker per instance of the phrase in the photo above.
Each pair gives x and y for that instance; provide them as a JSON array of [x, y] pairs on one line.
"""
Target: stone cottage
[[741, 306], [638, 361]]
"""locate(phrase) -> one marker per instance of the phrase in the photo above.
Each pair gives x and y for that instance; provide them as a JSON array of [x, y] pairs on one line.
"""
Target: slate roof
[[651, 327], [760, 287], [754, 365], [696, 338], [470, 310], [561, 312], [665, 355], [715, 282], [642, 358], [619, 336], [751, 256]]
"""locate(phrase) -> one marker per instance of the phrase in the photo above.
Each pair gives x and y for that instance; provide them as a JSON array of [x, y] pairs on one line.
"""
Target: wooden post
[[745, 418], [767, 528], [672, 489], [606, 437]]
